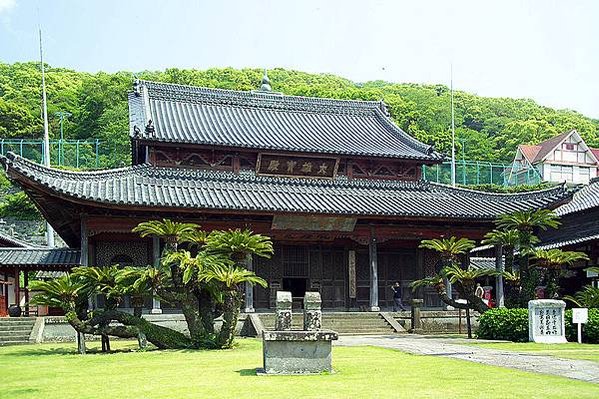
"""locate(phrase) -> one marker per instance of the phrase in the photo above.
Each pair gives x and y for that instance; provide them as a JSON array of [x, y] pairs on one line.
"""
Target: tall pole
[[49, 229], [452, 130]]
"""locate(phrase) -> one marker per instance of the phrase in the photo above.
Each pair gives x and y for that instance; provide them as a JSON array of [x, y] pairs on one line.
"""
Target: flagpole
[[49, 229], [452, 130]]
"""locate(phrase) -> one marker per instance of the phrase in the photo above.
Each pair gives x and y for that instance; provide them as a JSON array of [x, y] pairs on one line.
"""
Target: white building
[[562, 158]]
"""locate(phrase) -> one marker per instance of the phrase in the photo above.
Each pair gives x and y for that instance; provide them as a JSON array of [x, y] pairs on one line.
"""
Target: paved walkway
[[577, 369]]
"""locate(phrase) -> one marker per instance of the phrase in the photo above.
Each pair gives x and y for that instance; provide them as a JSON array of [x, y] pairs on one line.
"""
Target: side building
[[335, 183], [563, 158]]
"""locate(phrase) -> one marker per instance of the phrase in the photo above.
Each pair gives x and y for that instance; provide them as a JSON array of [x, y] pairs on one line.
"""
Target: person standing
[[397, 303]]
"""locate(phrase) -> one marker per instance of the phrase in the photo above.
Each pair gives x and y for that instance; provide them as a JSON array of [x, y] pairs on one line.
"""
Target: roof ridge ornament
[[265, 84]]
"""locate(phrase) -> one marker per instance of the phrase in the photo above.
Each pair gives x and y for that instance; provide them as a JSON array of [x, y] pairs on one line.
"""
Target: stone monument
[[546, 322], [307, 351]]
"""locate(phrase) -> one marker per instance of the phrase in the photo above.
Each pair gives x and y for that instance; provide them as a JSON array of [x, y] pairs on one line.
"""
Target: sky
[[546, 50]]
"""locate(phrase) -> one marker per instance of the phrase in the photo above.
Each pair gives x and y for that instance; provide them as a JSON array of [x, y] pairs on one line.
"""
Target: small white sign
[[591, 274], [580, 315]]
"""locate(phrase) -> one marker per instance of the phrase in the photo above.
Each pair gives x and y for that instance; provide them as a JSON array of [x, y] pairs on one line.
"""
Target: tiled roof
[[8, 241], [151, 186], [269, 121], [569, 241], [585, 198], [477, 262], [529, 151], [49, 274], [39, 257], [548, 145], [595, 152]]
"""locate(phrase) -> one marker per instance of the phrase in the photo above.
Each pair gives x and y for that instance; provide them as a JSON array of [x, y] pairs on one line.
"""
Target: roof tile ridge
[[416, 144], [249, 175], [355, 105], [22, 164], [560, 188]]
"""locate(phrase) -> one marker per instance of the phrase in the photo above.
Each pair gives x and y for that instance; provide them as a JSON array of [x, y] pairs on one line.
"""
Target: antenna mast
[[49, 229]]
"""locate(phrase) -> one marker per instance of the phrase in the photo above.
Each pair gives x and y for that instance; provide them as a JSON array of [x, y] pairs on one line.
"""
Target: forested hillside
[[490, 128]]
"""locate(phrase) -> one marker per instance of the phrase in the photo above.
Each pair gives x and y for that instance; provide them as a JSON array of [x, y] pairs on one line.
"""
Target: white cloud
[[6, 5]]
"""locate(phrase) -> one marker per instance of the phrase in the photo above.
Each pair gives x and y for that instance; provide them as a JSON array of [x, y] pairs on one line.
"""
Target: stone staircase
[[14, 331], [345, 323]]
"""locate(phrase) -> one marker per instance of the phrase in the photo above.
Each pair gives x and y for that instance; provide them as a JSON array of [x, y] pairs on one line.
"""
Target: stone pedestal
[[546, 321], [416, 318], [283, 313], [312, 312], [297, 352]]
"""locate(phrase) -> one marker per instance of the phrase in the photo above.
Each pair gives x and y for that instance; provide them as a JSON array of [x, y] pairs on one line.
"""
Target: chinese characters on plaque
[[285, 165], [546, 321]]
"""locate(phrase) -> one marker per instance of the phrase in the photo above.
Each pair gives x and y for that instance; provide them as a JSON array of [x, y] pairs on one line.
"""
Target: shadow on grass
[[247, 372], [67, 351]]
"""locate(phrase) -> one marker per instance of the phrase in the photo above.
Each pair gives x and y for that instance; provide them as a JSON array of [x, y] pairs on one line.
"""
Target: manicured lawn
[[54, 371], [567, 351]]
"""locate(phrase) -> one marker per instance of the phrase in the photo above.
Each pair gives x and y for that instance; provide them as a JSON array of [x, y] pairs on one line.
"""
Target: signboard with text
[[296, 166]]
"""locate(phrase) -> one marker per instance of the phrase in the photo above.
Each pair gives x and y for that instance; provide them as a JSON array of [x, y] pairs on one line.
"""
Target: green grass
[[567, 351], [55, 371]]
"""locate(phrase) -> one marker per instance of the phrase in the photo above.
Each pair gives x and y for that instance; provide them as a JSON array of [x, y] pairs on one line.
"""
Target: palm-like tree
[[62, 292], [450, 248], [588, 297], [230, 278], [553, 260], [171, 232], [508, 240], [197, 238], [525, 222], [101, 280], [238, 244], [139, 282]]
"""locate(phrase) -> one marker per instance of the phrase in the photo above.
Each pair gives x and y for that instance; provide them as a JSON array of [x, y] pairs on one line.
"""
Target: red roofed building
[[563, 158]]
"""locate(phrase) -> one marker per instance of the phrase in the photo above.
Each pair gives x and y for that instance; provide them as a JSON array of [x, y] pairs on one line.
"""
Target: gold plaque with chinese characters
[[297, 166]]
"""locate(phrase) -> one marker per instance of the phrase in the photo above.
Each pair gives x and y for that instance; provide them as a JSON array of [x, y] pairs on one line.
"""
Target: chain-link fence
[[77, 154], [480, 172]]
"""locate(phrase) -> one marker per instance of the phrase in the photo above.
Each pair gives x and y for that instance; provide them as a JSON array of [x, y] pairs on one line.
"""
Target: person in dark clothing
[[397, 303]]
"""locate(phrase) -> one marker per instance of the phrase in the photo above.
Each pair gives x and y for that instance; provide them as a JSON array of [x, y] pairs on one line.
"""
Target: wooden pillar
[[374, 276], [156, 309], [499, 278], [26, 288], [249, 288], [17, 287], [84, 262]]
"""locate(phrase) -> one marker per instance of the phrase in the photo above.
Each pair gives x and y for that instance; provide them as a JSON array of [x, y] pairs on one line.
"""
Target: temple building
[[579, 231], [335, 184]]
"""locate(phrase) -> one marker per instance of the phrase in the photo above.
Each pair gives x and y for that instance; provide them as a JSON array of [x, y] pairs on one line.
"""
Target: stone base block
[[297, 352]]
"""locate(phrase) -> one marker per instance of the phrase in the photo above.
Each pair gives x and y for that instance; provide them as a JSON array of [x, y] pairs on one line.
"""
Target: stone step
[[14, 342], [13, 333], [15, 328], [11, 322]]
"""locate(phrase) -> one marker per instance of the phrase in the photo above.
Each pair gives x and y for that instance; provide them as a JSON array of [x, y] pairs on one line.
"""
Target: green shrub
[[505, 324], [19, 205], [512, 325]]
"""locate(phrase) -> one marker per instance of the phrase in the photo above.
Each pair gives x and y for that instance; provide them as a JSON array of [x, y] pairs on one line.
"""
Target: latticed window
[[122, 260]]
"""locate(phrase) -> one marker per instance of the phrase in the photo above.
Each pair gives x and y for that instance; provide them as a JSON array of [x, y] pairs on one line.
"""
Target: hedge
[[512, 325]]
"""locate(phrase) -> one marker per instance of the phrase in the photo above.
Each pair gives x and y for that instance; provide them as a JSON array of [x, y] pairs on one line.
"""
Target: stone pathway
[[577, 369]]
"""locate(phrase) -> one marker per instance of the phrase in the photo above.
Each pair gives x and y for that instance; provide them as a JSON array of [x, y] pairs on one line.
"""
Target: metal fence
[[78, 154], [480, 172], [96, 154]]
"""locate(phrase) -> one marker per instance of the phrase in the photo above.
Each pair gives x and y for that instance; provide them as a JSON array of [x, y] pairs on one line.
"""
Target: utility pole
[[49, 229], [452, 130], [62, 115]]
